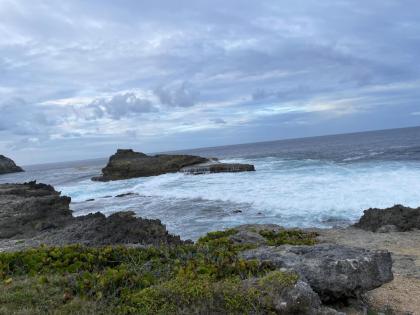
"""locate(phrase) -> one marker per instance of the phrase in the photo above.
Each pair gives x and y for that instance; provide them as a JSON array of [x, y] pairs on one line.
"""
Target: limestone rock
[[396, 218], [333, 271]]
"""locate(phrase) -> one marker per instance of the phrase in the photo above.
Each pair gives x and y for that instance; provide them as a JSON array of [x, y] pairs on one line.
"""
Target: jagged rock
[[119, 228], [8, 166], [27, 209], [333, 271], [217, 168], [127, 164], [37, 211], [396, 218]]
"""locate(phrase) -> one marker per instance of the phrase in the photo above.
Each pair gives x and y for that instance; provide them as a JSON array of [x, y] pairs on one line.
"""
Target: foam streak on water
[[287, 192]]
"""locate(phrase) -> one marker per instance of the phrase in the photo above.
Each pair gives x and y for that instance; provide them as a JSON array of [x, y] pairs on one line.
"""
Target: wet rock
[[237, 211], [217, 168], [396, 218], [8, 166], [125, 195], [30, 208], [335, 272], [127, 164], [91, 199]]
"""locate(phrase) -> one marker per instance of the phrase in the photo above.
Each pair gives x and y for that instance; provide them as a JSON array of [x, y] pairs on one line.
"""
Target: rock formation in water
[[127, 164], [8, 166], [38, 212], [207, 168], [396, 218]]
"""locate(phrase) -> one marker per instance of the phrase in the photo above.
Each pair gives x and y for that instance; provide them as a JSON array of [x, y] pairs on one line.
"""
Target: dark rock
[[125, 195], [335, 272], [8, 166], [402, 218], [119, 228], [127, 164], [27, 209], [88, 200], [37, 211], [217, 168], [237, 211]]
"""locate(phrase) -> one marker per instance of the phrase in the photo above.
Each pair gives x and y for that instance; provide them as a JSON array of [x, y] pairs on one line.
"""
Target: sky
[[81, 78]]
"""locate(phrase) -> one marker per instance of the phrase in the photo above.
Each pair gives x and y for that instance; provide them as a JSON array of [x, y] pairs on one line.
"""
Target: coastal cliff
[[8, 166]]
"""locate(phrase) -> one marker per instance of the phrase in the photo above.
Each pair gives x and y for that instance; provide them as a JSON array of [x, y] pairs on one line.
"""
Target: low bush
[[155, 280]]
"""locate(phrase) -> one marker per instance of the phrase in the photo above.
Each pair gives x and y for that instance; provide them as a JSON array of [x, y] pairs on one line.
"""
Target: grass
[[208, 276], [291, 237]]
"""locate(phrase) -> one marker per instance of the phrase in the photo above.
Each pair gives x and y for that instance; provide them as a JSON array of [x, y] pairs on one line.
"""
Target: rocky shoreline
[[332, 268]]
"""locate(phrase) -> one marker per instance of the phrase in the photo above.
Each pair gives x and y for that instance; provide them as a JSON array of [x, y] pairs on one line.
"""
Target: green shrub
[[291, 237], [154, 280]]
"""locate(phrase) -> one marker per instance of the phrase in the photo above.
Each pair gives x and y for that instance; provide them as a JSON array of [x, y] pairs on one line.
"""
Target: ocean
[[310, 182]]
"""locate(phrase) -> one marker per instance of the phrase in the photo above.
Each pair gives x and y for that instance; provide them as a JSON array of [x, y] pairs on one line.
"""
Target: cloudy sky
[[80, 78]]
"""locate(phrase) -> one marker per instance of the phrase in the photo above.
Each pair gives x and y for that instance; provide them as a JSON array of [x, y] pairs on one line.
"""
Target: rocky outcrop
[[8, 166], [298, 298], [209, 168], [396, 218], [335, 272], [119, 228], [38, 212], [127, 164], [30, 208]]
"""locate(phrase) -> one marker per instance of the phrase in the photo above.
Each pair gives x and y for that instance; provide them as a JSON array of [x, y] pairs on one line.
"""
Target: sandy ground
[[402, 295]]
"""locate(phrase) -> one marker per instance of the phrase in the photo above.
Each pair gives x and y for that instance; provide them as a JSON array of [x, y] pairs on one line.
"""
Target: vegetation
[[292, 237], [206, 276]]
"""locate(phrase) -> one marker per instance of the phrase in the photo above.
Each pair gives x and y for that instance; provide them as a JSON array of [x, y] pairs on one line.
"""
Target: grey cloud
[[121, 105], [219, 121], [177, 95], [235, 63]]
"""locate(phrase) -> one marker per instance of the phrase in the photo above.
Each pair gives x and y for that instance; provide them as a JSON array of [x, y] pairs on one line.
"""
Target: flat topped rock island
[[8, 166], [127, 164]]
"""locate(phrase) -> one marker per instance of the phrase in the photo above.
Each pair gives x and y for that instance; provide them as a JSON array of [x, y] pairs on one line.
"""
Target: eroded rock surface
[[127, 164], [36, 213], [8, 166], [30, 208], [396, 218], [335, 272]]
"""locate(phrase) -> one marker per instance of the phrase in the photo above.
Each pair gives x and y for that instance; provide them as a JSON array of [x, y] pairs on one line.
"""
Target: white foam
[[304, 192]]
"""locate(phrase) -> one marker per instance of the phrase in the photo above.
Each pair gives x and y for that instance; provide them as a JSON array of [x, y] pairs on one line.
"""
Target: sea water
[[311, 182]]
